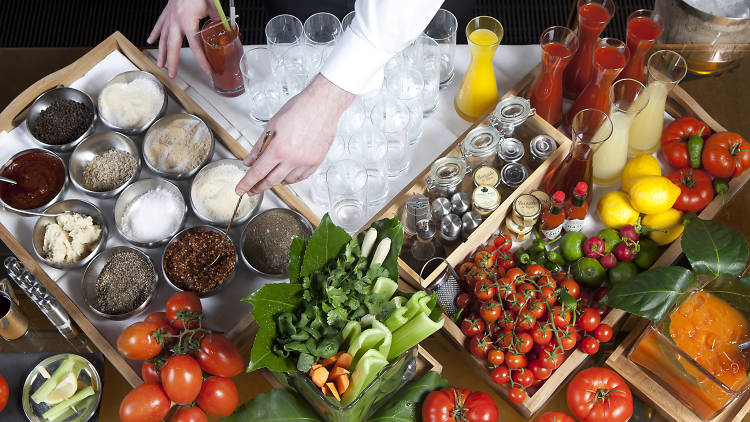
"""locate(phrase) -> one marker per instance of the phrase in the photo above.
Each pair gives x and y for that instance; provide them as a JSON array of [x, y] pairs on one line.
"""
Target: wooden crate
[[13, 115]]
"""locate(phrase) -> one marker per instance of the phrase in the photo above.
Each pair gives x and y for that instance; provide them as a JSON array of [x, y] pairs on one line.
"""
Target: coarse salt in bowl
[[131, 102], [212, 195], [177, 145], [150, 212]]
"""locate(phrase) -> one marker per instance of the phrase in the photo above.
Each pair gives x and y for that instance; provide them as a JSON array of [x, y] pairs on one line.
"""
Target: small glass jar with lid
[[517, 232], [511, 177], [446, 175], [511, 113], [526, 210], [486, 176], [541, 147], [510, 150], [479, 147], [485, 200]]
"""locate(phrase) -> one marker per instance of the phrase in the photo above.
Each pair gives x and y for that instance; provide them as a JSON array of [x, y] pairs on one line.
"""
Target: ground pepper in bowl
[[62, 122], [190, 260]]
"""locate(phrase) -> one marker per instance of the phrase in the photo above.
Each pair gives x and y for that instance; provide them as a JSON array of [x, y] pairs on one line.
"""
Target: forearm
[[329, 95]]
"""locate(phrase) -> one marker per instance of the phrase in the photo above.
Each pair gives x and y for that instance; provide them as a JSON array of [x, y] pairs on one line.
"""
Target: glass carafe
[[478, 91], [644, 28], [610, 56], [558, 46], [591, 128], [665, 70], [627, 97], [593, 16]]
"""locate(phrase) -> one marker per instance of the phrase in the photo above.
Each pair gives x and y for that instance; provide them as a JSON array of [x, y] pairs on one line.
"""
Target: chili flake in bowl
[[199, 259]]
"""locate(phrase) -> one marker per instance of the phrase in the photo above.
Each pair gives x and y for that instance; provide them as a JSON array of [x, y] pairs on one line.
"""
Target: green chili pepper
[[555, 257], [721, 187], [695, 149]]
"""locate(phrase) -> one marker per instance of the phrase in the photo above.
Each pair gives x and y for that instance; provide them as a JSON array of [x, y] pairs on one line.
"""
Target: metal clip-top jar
[[541, 147], [446, 174], [526, 210], [480, 147], [484, 200], [510, 150], [511, 113]]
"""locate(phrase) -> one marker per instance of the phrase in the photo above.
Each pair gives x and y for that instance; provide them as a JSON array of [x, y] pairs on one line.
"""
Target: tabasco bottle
[[553, 217], [575, 211]]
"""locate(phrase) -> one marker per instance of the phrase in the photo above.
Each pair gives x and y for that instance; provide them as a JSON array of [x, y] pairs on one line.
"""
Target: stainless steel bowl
[[45, 100], [94, 269], [135, 190], [77, 206], [239, 219], [130, 77], [165, 121], [201, 228], [245, 234], [97, 144], [51, 201]]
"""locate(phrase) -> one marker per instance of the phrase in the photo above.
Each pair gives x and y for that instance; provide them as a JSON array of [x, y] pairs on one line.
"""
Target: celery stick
[[397, 318], [410, 334], [385, 346], [399, 301], [84, 404], [365, 341], [424, 305], [364, 373], [384, 287], [413, 304], [350, 330], [40, 395], [366, 321], [65, 405]]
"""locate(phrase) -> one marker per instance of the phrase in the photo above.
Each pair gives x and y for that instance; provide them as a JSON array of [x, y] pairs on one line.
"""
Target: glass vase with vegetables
[[340, 332]]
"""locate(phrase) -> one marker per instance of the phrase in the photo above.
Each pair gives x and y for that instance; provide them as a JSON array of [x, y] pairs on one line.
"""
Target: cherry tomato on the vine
[[490, 312], [552, 356], [137, 343], [514, 361], [147, 402], [524, 343], [218, 396], [483, 259], [485, 291], [189, 414], [501, 375], [542, 334], [560, 318], [495, 356], [149, 374], [480, 345], [540, 372], [514, 273], [536, 269], [183, 301], [516, 395], [503, 243], [472, 326], [524, 376], [463, 300], [590, 345], [182, 378], [537, 309], [572, 287], [589, 319], [505, 339], [603, 333], [219, 356]]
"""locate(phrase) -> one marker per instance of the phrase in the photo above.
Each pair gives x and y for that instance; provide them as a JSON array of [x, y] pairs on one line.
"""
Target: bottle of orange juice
[[478, 91]]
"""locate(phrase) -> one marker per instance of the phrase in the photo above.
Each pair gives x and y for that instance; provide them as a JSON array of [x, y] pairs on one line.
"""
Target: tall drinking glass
[[665, 70], [558, 46], [347, 20], [317, 181], [478, 91], [424, 53], [264, 95], [321, 31], [347, 193], [609, 58], [300, 59], [593, 16], [351, 119], [391, 117], [368, 146], [282, 32], [223, 50], [442, 28], [591, 128], [628, 98], [407, 85], [644, 28]]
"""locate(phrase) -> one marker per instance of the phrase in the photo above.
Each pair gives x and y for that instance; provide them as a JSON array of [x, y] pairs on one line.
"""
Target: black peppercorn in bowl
[[267, 238], [93, 146], [139, 279], [200, 259], [61, 118]]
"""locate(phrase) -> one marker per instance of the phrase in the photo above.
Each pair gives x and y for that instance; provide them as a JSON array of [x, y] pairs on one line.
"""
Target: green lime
[[648, 253], [589, 272], [622, 272], [610, 238], [571, 246]]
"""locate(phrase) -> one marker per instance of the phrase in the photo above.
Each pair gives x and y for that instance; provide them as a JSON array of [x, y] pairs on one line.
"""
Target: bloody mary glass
[[593, 16], [610, 56], [223, 50], [644, 28], [558, 46]]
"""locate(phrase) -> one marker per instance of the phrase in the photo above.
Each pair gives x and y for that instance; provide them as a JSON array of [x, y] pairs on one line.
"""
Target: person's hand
[[302, 133], [181, 17]]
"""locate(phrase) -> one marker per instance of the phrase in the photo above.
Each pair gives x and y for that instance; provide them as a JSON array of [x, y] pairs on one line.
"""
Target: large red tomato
[[4, 392], [218, 397], [726, 154], [136, 342], [146, 403], [182, 301], [219, 356], [457, 405], [182, 379], [555, 417], [599, 395], [674, 140], [696, 188]]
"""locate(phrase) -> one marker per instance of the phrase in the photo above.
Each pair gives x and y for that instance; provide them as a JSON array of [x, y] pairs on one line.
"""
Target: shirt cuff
[[355, 65]]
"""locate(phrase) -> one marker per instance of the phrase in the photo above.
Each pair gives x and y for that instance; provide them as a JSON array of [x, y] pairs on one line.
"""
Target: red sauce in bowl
[[40, 176]]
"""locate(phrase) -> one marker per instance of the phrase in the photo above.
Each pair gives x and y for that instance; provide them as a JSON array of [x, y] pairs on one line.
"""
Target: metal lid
[[485, 198], [460, 203], [481, 141], [543, 197], [486, 176], [510, 150], [512, 112], [542, 146], [513, 174], [450, 227], [469, 222], [447, 171], [526, 209], [426, 229], [440, 208]]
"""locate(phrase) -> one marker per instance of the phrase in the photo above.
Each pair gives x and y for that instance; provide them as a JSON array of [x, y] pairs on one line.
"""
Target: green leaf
[[409, 405], [324, 245], [277, 405], [652, 293], [268, 302], [394, 229], [714, 249], [296, 252], [734, 291]]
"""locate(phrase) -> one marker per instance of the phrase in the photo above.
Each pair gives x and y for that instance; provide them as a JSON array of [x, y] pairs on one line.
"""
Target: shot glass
[[347, 193], [391, 118], [262, 89], [223, 50], [283, 32], [406, 85], [369, 147], [321, 31], [442, 28], [13, 322], [424, 53], [351, 119]]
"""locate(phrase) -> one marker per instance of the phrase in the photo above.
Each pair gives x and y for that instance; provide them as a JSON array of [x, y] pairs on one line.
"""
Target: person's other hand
[[181, 17], [303, 131]]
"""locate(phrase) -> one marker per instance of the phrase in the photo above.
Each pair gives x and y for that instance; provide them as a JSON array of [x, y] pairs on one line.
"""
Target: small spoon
[[6, 180], [743, 346], [31, 213]]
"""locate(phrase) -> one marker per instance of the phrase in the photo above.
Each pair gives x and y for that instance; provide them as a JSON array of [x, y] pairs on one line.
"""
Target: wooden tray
[[13, 115]]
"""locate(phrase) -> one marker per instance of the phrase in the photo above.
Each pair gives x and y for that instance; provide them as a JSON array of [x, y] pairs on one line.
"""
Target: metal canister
[[469, 222], [417, 209], [460, 203], [511, 113], [440, 208], [486, 176], [450, 228], [541, 147], [526, 210], [485, 200], [510, 150], [446, 175], [480, 147]]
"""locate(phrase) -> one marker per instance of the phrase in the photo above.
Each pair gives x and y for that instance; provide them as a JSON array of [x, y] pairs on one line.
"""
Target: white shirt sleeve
[[380, 29]]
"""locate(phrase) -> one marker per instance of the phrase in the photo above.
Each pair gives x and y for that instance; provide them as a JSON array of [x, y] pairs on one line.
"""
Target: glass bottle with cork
[[553, 217], [576, 210]]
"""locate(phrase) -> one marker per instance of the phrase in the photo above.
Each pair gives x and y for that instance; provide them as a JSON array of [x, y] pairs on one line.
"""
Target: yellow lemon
[[665, 238], [63, 390], [653, 194], [662, 220], [615, 210], [641, 165]]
